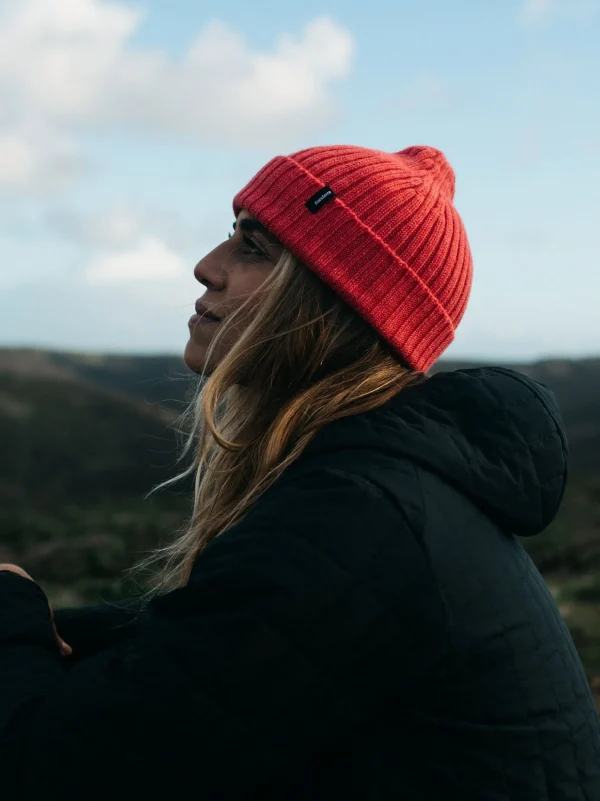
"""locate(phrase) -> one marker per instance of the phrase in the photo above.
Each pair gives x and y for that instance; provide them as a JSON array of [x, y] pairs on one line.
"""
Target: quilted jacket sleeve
[[91, 629], [302, 622]]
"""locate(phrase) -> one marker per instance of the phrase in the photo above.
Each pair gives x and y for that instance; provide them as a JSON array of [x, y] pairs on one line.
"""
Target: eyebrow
[[249, 225]]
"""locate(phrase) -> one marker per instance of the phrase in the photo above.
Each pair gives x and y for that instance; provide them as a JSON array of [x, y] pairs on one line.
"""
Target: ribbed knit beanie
[[381, 230]]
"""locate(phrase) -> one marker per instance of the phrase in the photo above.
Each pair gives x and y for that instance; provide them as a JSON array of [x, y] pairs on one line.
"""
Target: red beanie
[[381, 230]]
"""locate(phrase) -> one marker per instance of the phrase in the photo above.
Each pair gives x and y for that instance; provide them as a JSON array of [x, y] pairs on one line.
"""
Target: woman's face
[[231, 272]]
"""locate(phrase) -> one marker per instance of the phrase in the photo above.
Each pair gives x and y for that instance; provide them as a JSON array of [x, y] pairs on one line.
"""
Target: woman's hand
[[65, 649]]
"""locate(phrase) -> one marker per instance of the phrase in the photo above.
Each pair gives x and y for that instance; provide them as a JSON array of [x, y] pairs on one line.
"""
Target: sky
[[127, 128]]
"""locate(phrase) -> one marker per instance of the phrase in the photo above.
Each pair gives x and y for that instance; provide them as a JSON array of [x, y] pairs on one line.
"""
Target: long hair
[[305, 359]]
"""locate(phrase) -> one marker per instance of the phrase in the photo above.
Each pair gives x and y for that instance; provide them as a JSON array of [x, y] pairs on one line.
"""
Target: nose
[[209, 271]]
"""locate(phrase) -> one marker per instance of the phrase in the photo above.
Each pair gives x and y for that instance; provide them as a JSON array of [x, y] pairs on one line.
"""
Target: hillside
[[153, 380], [65, 439], [86, 437]]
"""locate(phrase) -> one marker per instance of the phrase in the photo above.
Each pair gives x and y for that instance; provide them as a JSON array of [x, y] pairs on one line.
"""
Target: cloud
[[534, 13], [120, 226], [116, 227], [142, 317], [150, 261], [67, 66], [28, 158]]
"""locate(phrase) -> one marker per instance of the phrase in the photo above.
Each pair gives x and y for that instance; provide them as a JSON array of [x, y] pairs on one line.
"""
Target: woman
[[349, 614]]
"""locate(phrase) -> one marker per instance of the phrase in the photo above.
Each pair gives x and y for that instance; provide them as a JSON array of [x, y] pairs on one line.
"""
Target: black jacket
[[373, 630]]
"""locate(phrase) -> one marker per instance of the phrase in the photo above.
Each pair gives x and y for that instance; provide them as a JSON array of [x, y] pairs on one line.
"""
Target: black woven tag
[[319, 199]]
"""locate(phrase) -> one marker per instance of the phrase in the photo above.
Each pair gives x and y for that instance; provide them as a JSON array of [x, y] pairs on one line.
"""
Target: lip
[[197, 321], [205, 314]]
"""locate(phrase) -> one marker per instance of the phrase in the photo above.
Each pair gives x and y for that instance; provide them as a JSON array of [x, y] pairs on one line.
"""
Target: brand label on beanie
[[319, 199]]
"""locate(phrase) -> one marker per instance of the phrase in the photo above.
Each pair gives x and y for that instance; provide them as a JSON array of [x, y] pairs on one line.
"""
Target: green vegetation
[[80, 553]]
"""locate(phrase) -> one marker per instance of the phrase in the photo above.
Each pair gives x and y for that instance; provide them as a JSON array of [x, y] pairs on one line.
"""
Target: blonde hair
[[304, 360]]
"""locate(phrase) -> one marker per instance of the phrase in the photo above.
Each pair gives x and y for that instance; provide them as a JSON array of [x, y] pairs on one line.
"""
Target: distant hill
[[84, 428], [163, 380]]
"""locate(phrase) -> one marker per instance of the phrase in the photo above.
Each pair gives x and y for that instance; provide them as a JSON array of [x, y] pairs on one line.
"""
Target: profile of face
[[231, 273]]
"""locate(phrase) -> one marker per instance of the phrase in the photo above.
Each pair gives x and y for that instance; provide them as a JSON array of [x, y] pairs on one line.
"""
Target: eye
[[252, 248]]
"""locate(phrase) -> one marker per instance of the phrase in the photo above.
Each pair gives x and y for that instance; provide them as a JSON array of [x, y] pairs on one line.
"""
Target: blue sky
[[127, 128]]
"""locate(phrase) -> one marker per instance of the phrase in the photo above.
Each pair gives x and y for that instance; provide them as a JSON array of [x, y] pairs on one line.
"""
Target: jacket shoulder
[[370, 469]]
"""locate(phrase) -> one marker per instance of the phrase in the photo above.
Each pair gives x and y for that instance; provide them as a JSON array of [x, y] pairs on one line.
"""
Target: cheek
[[246, 282]]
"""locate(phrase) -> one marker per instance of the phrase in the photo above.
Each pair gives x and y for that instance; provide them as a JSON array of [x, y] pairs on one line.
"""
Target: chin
[[194, 357]]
